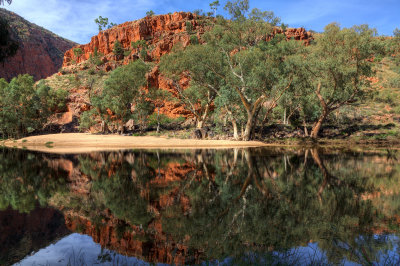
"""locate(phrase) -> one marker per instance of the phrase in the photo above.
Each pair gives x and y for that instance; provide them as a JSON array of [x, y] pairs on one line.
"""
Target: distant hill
[[40, 52]]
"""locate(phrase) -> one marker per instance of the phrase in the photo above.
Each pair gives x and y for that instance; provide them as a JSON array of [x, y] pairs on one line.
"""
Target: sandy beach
[[68, 143]]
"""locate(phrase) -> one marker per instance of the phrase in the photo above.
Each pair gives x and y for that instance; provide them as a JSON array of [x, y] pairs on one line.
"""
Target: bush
[[189, 27], [78, 52], [26, 107], [87, 120], [394, 82], [150, 13], [194, 39], [162, 118], [118, 50], [91, 71]]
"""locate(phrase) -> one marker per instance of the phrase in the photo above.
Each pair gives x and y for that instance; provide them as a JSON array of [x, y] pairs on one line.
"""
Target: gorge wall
[[160, 33], [40, 51]]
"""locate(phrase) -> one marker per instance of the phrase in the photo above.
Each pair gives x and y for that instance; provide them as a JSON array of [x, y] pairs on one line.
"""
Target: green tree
[[25, 108], [158, 97], [121, 89], [77, 52], [338, 65], [198, 63], [103, 23], [150, 13], [141, 47], [257, 72], [118, 49], [237, 9], [214, 7]]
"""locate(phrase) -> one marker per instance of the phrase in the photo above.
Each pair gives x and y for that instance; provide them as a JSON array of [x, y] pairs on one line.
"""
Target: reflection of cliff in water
[[22, 233], [187, 207]]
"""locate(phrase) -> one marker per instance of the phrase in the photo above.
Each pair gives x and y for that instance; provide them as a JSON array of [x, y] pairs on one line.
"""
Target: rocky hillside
[[40, 51], [93, 61]]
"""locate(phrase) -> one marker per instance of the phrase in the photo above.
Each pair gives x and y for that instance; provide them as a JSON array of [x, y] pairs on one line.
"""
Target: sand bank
[[84, 142]]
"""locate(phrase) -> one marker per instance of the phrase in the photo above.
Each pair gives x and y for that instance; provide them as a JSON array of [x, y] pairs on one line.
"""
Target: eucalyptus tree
[[338, 65], [257, 72], [237, 66], [203, 65], [25, 107], [123, 88]]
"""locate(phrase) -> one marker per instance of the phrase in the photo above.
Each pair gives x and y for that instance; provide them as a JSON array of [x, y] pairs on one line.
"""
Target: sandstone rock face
[[298, 34], [160, 33], [40, 52]]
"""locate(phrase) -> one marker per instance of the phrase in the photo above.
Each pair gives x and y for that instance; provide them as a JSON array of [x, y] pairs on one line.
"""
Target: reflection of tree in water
[[26, 179], [227, 203], [243, 201], [260, 206]]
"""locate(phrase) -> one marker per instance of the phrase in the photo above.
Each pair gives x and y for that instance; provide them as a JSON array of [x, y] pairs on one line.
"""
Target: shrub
[[162, 118], [150, 13], [189, 27], [78, 52], [98, 62], [118, 50], [91, 71], [87, 120], [194, 39], [394, 82]]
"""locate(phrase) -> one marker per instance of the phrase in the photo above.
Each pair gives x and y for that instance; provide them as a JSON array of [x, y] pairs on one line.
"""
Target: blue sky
[[74, 19]]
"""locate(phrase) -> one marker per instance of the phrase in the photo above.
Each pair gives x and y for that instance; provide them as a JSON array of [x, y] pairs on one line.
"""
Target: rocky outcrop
[[298, 34], [160, 33], [40, 52]]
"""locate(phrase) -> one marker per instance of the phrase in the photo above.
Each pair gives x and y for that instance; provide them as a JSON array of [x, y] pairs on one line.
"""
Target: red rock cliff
[[40, 52], [161, 33]]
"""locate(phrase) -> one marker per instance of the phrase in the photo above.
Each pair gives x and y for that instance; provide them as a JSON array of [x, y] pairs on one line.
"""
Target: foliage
[[199, 12], [87, 119], [234, 58], [141, 46], [214, 7], [121, 90], [25, 107], [194, 39], [118, 49], [394, 82], [338, 64], [28, 180], [103, 23], [77, 52], [150, 13], [204, 83], [189, 27]]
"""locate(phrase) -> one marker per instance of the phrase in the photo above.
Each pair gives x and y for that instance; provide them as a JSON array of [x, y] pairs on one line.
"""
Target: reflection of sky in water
[[77, 249]]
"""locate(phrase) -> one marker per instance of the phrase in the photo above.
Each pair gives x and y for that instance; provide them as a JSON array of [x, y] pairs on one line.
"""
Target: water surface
[[237, 206]]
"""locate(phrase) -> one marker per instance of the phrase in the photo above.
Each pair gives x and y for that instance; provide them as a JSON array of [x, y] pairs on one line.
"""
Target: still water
[[258, 206]]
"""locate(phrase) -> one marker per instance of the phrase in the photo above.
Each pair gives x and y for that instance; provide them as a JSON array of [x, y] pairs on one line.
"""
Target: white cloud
[[74, 20]]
